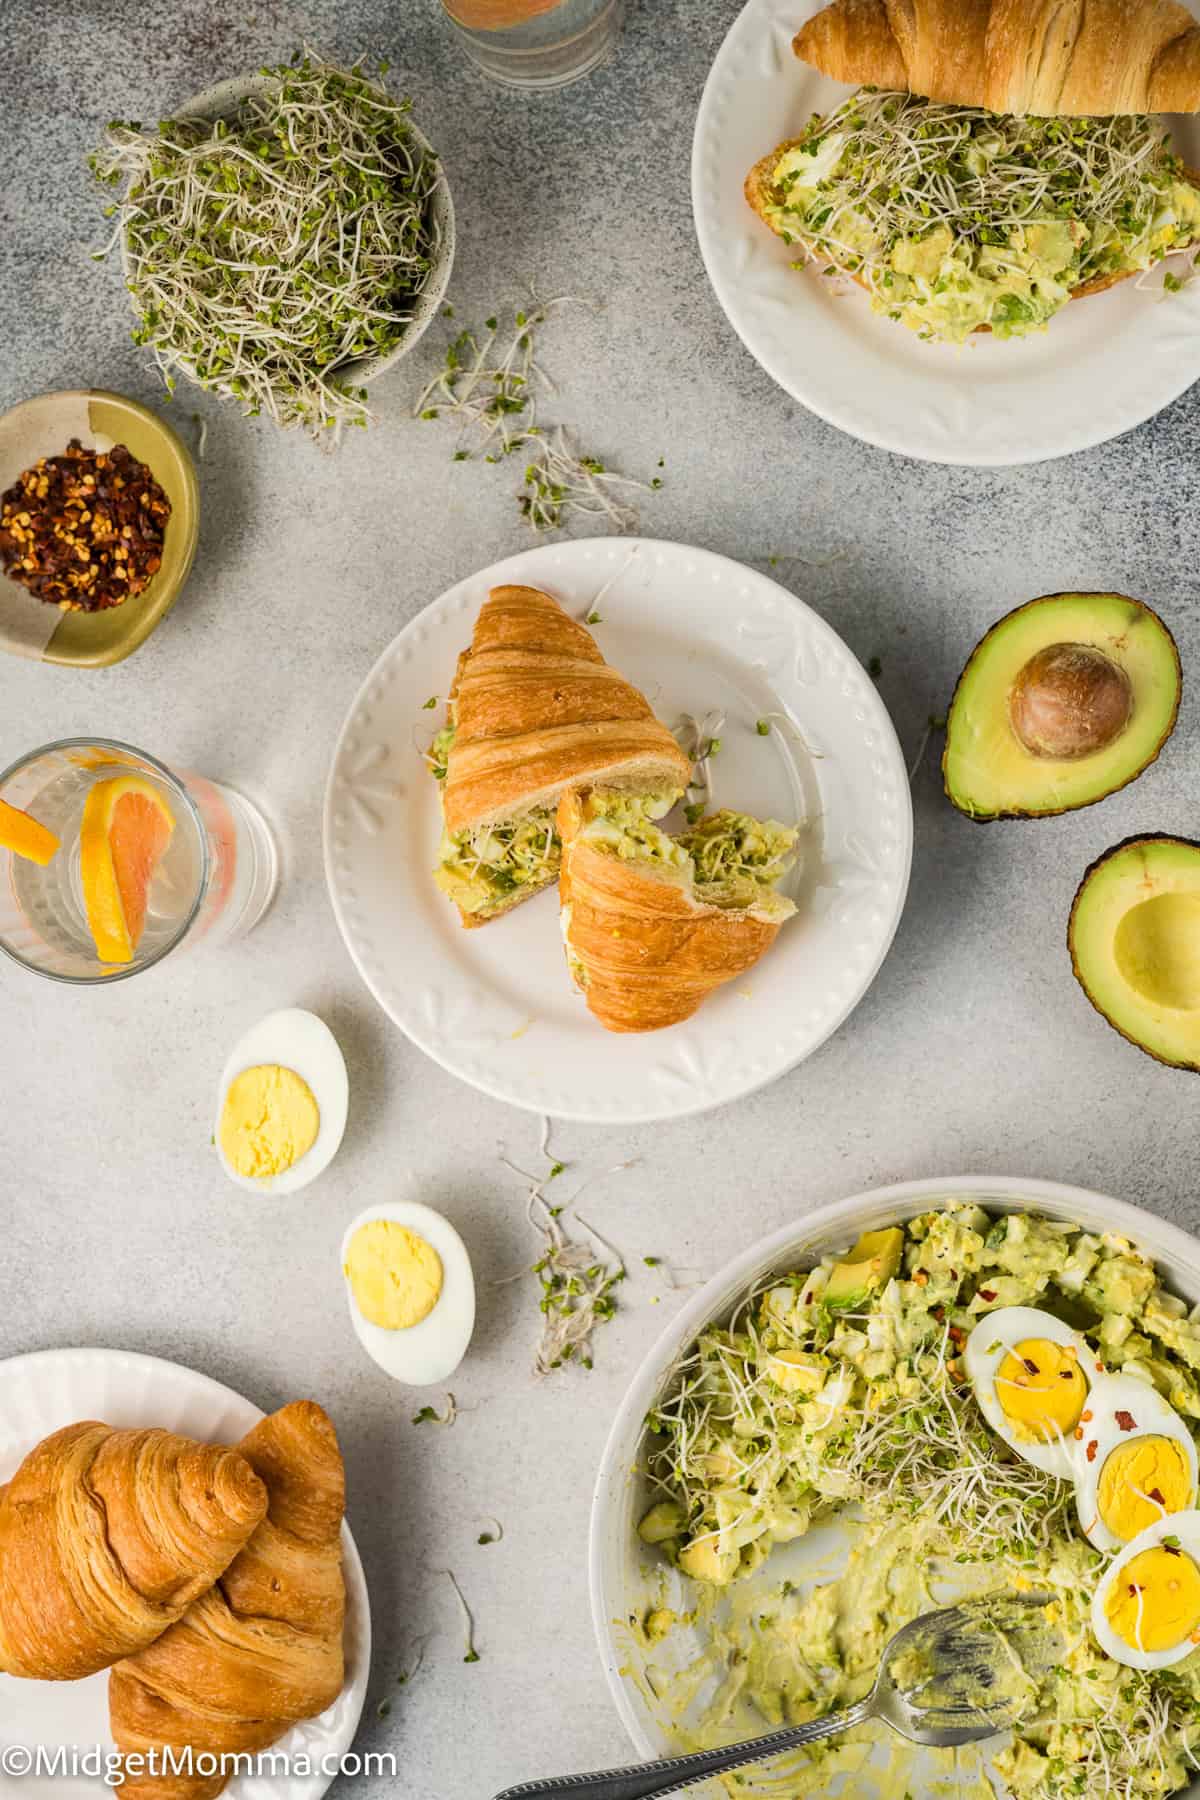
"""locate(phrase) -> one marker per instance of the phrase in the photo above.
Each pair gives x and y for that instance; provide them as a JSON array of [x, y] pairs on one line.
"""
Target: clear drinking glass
[[536, 43], [214, 882]]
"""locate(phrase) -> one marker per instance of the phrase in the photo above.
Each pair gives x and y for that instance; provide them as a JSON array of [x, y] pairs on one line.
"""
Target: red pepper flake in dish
[[1125, 1420], [1092, 1448], [988, 1294], [84, 531]]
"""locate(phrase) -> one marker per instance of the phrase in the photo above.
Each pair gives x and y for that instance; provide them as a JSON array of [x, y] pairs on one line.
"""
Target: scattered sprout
[[471, 1653], [494, 1536], [430, 704], [428, 1415], [875, 668]]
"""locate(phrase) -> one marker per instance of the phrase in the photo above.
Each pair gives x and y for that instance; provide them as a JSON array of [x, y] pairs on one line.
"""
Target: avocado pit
[[1069, 701]]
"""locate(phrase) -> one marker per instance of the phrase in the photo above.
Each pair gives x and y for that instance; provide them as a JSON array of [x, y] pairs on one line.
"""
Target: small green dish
[[44, 426]]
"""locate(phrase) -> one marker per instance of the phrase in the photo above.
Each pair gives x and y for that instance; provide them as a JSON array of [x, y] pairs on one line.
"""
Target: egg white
[[297, 1040], [1186, 1527], [1154, 1416], [431, 1350], [997, 1334]]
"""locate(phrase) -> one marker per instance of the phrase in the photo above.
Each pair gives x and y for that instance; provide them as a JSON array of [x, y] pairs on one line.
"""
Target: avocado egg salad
[[977, 1406], [956, 219]]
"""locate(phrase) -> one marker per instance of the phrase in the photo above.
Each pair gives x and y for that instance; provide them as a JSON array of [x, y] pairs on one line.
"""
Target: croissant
[[644, 944], [1044, 57], [261, 1649], [535, 709], [107, 1537]]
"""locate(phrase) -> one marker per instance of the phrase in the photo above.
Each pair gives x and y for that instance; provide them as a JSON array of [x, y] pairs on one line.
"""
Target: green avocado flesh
[[485, 869], [1092, 682], [1135, 944], [867, 1268]]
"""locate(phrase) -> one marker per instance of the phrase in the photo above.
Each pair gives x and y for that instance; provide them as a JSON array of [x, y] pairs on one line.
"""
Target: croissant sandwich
[[263, 1648], [534, 710], [107, 1537], [652, 924], [1005, 157]]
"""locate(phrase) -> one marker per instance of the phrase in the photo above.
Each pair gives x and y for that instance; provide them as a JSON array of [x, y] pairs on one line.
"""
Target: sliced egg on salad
[[411, 1291], [1137, 1461], [1031, 1375], [282, 1104], [1146, 1610]]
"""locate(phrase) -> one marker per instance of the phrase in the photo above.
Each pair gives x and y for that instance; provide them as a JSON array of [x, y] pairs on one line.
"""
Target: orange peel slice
[[127, 825], [25, 836]]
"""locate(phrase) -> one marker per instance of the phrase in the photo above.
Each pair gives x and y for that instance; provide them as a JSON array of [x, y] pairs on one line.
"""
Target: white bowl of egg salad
[[939, 1389]]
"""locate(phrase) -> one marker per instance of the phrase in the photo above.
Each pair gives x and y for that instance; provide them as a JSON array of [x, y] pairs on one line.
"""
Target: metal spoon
[[950, 1677]]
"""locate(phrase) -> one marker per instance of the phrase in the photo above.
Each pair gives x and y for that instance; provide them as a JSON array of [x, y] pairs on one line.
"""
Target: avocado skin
[[1129, 843], [982, 818]]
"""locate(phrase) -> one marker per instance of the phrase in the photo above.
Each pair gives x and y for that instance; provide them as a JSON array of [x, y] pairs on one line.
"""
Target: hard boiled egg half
[[1146, 1610], [411, 1291], [1032, 1375], [281, 1109], [1137, 1461]]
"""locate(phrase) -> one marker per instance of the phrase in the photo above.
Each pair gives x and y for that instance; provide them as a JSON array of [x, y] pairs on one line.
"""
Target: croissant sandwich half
[[1005, 157], [534, 710], [652, 924]]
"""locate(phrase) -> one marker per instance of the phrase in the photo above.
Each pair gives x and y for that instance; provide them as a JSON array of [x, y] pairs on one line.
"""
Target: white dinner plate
[[51, 1388], [1105, 364], [699, 634]]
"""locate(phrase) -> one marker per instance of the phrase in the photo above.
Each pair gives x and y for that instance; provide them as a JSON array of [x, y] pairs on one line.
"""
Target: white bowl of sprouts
[[286, 237], [691, 1664]]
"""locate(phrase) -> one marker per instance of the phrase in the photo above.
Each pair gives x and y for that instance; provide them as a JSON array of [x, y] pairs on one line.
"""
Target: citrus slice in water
[[126, 828], [24, 836]]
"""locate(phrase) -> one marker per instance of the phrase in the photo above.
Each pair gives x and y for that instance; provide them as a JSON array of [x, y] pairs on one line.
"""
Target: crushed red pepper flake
[[1125, 1420], [84, 531]]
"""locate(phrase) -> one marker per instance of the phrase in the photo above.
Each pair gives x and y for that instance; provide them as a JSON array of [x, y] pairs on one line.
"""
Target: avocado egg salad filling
[[976, 1406], [731, 859], [955, 218]]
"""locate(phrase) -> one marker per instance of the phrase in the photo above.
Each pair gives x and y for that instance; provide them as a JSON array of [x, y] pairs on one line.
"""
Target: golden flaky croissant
[[263, 1648], [1044, 57], [535, 710], [652, 924], [107, 1537]]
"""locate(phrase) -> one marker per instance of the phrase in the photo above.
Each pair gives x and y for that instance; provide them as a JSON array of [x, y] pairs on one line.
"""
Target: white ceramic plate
[[1104, 365], [625, 1578], [39, 1394], [496, 1006]]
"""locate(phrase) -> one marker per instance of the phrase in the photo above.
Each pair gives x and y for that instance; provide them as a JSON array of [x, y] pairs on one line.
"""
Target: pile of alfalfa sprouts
[[265, 252]]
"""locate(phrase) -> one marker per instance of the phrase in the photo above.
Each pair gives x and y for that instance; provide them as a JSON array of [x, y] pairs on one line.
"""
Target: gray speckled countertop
[[974, 1049]]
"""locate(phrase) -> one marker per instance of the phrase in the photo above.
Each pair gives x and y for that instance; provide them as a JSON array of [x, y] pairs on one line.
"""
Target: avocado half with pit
[[1134, 938], [1064, 701]]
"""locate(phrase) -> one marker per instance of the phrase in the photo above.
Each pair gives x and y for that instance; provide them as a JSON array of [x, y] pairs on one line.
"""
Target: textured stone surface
[[974, 1049]]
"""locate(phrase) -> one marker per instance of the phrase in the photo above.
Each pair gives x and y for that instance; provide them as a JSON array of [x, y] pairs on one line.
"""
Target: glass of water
[[537, 43], [214, 880]]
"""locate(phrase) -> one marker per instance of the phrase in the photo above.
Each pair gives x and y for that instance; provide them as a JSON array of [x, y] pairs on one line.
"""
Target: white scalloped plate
[[495, 1006], [1104, 365], [51, 1388]]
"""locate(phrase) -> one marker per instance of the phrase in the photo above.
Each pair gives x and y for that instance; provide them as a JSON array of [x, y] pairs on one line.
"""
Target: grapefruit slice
[[126, 828], [24, 836]]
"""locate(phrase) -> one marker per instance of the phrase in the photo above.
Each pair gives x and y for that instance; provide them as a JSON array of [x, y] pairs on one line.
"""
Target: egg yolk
[[1154, 1601], [268, 1122], [1140, 1481], [394, 1275], [1041, 1389]]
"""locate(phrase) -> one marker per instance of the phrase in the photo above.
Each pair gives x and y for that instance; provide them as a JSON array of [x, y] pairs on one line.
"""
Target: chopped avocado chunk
[[865, 1270], [1063, 702], [706, 1561], [1134, 938], [666, 1520]]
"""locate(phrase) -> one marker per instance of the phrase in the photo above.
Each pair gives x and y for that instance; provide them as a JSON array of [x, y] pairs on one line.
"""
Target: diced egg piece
[[411, 1291], [1137, 1461], [1146, 1609], [1031, 1375], [282, 1103]]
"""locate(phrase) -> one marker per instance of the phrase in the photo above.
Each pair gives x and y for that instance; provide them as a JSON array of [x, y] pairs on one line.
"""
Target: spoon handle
[[646, 1780]]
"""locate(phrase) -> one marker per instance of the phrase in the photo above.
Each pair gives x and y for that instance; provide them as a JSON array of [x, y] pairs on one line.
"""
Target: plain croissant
[[1043, 57], [107, 1537], [263, 1648], [645, 952], [536, 710]]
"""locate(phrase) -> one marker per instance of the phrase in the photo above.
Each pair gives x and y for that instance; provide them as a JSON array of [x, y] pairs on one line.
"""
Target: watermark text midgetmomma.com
[[101, 1762]]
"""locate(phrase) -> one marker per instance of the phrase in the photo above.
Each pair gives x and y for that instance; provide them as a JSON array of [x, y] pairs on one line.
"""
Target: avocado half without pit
[[1134, 938], [1064, 701]]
